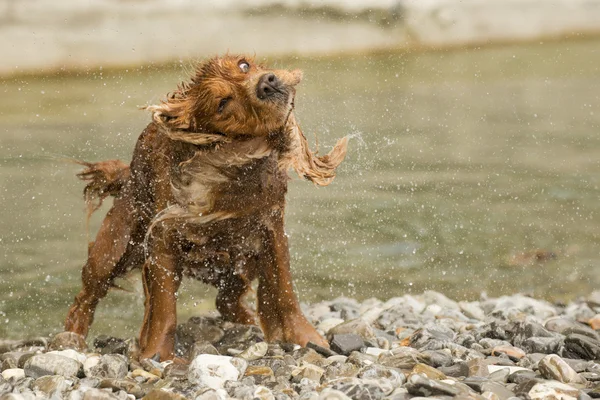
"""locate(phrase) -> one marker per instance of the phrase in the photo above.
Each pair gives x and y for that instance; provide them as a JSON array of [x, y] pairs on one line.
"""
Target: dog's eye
[[223, 103], [244, 66]]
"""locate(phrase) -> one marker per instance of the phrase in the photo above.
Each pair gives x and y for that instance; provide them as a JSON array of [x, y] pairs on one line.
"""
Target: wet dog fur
[[204, 196]]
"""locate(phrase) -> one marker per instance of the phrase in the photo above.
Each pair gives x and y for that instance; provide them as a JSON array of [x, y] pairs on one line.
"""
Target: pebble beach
[[409, 347]]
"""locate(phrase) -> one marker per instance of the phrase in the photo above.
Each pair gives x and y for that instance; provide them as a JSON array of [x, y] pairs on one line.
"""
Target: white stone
[[13, 373], [70, 353], [255, 352], [212, 394], [553, 390], [332, 394], [407, 301], [371, 314], [554, 367], [375, 351], [90, 363], [213, 371], [337, 358], [494, 368], [328, 323], [308, 371], [472, 310], [263, 393]]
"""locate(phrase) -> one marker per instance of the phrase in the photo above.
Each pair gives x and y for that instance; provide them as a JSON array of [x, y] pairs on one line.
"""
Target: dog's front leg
[[278, 309], [162, 278]]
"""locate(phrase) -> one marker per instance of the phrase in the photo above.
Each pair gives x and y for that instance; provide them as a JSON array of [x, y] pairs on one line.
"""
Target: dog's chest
[[240, 179]]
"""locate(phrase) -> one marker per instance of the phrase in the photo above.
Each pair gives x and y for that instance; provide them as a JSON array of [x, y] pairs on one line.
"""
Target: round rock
[[51, 364]]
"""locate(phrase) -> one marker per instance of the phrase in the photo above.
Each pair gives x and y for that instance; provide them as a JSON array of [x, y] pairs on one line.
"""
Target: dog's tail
[[105, 178]]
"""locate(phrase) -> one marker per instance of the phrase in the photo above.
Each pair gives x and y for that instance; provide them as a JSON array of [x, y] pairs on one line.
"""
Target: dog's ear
[[176, 116], [306, 163], [176, 112]]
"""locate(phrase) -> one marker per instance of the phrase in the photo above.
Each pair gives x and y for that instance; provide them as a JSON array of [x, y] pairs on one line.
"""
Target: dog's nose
[[268, 85]]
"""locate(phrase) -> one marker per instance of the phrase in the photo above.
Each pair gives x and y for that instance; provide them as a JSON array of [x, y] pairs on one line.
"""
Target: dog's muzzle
[[269, 86]]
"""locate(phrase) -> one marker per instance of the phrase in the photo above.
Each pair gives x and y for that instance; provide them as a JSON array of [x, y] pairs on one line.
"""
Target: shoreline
[[414, 346], [75, 36]]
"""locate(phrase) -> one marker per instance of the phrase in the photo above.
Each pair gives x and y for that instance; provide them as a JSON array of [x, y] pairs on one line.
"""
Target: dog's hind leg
[[107, 259], [230, 299]]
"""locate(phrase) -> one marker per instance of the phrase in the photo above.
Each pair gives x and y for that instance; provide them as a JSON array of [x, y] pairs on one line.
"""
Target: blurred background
[[474, 164]]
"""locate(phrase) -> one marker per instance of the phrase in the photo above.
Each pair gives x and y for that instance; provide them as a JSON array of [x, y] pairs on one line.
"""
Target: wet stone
[[531, 361], [554, 367], [255, 351], [52, 384], [500, 375], [482, 385], [5, 387], [15, 359], [580, 346], [360, 391], [355, 326], [202, 348], [404, 358], [514, 353], [158, 394], [110, 345], [426, 370], [339, 370], [457, 370], [594, 393], [545, 345], [213, 371], [307, 371], [128, 386], [418, 385], [376, 371], [332, 394], [438, 358], [200, 329], [51, 364], [143, 376], [175, 371], [552, 390], [324, 351], [594, 322], [239, 337], [13, 374], [258, 371], [438, 334], [577, 364], [68, 340], [478, 367], [566, 326], [99, 394], [308, 356], [108, 366], [346, 343], [154, 367], [522, 376]]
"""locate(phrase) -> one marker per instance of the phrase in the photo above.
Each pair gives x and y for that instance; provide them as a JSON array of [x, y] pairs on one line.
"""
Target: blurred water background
[[471, 170]]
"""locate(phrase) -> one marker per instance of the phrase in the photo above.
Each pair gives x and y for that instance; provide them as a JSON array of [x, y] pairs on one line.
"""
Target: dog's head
[[231, 95]]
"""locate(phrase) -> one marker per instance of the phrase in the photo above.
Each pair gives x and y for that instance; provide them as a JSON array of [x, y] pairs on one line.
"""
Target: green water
[[460, 160]]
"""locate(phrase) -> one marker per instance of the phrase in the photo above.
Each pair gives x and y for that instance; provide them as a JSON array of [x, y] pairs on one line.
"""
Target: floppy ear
[[306, 163], [175, 116], [176, 111]]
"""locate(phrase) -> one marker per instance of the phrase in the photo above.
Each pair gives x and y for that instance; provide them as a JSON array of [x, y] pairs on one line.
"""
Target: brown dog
[[204, 195]]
